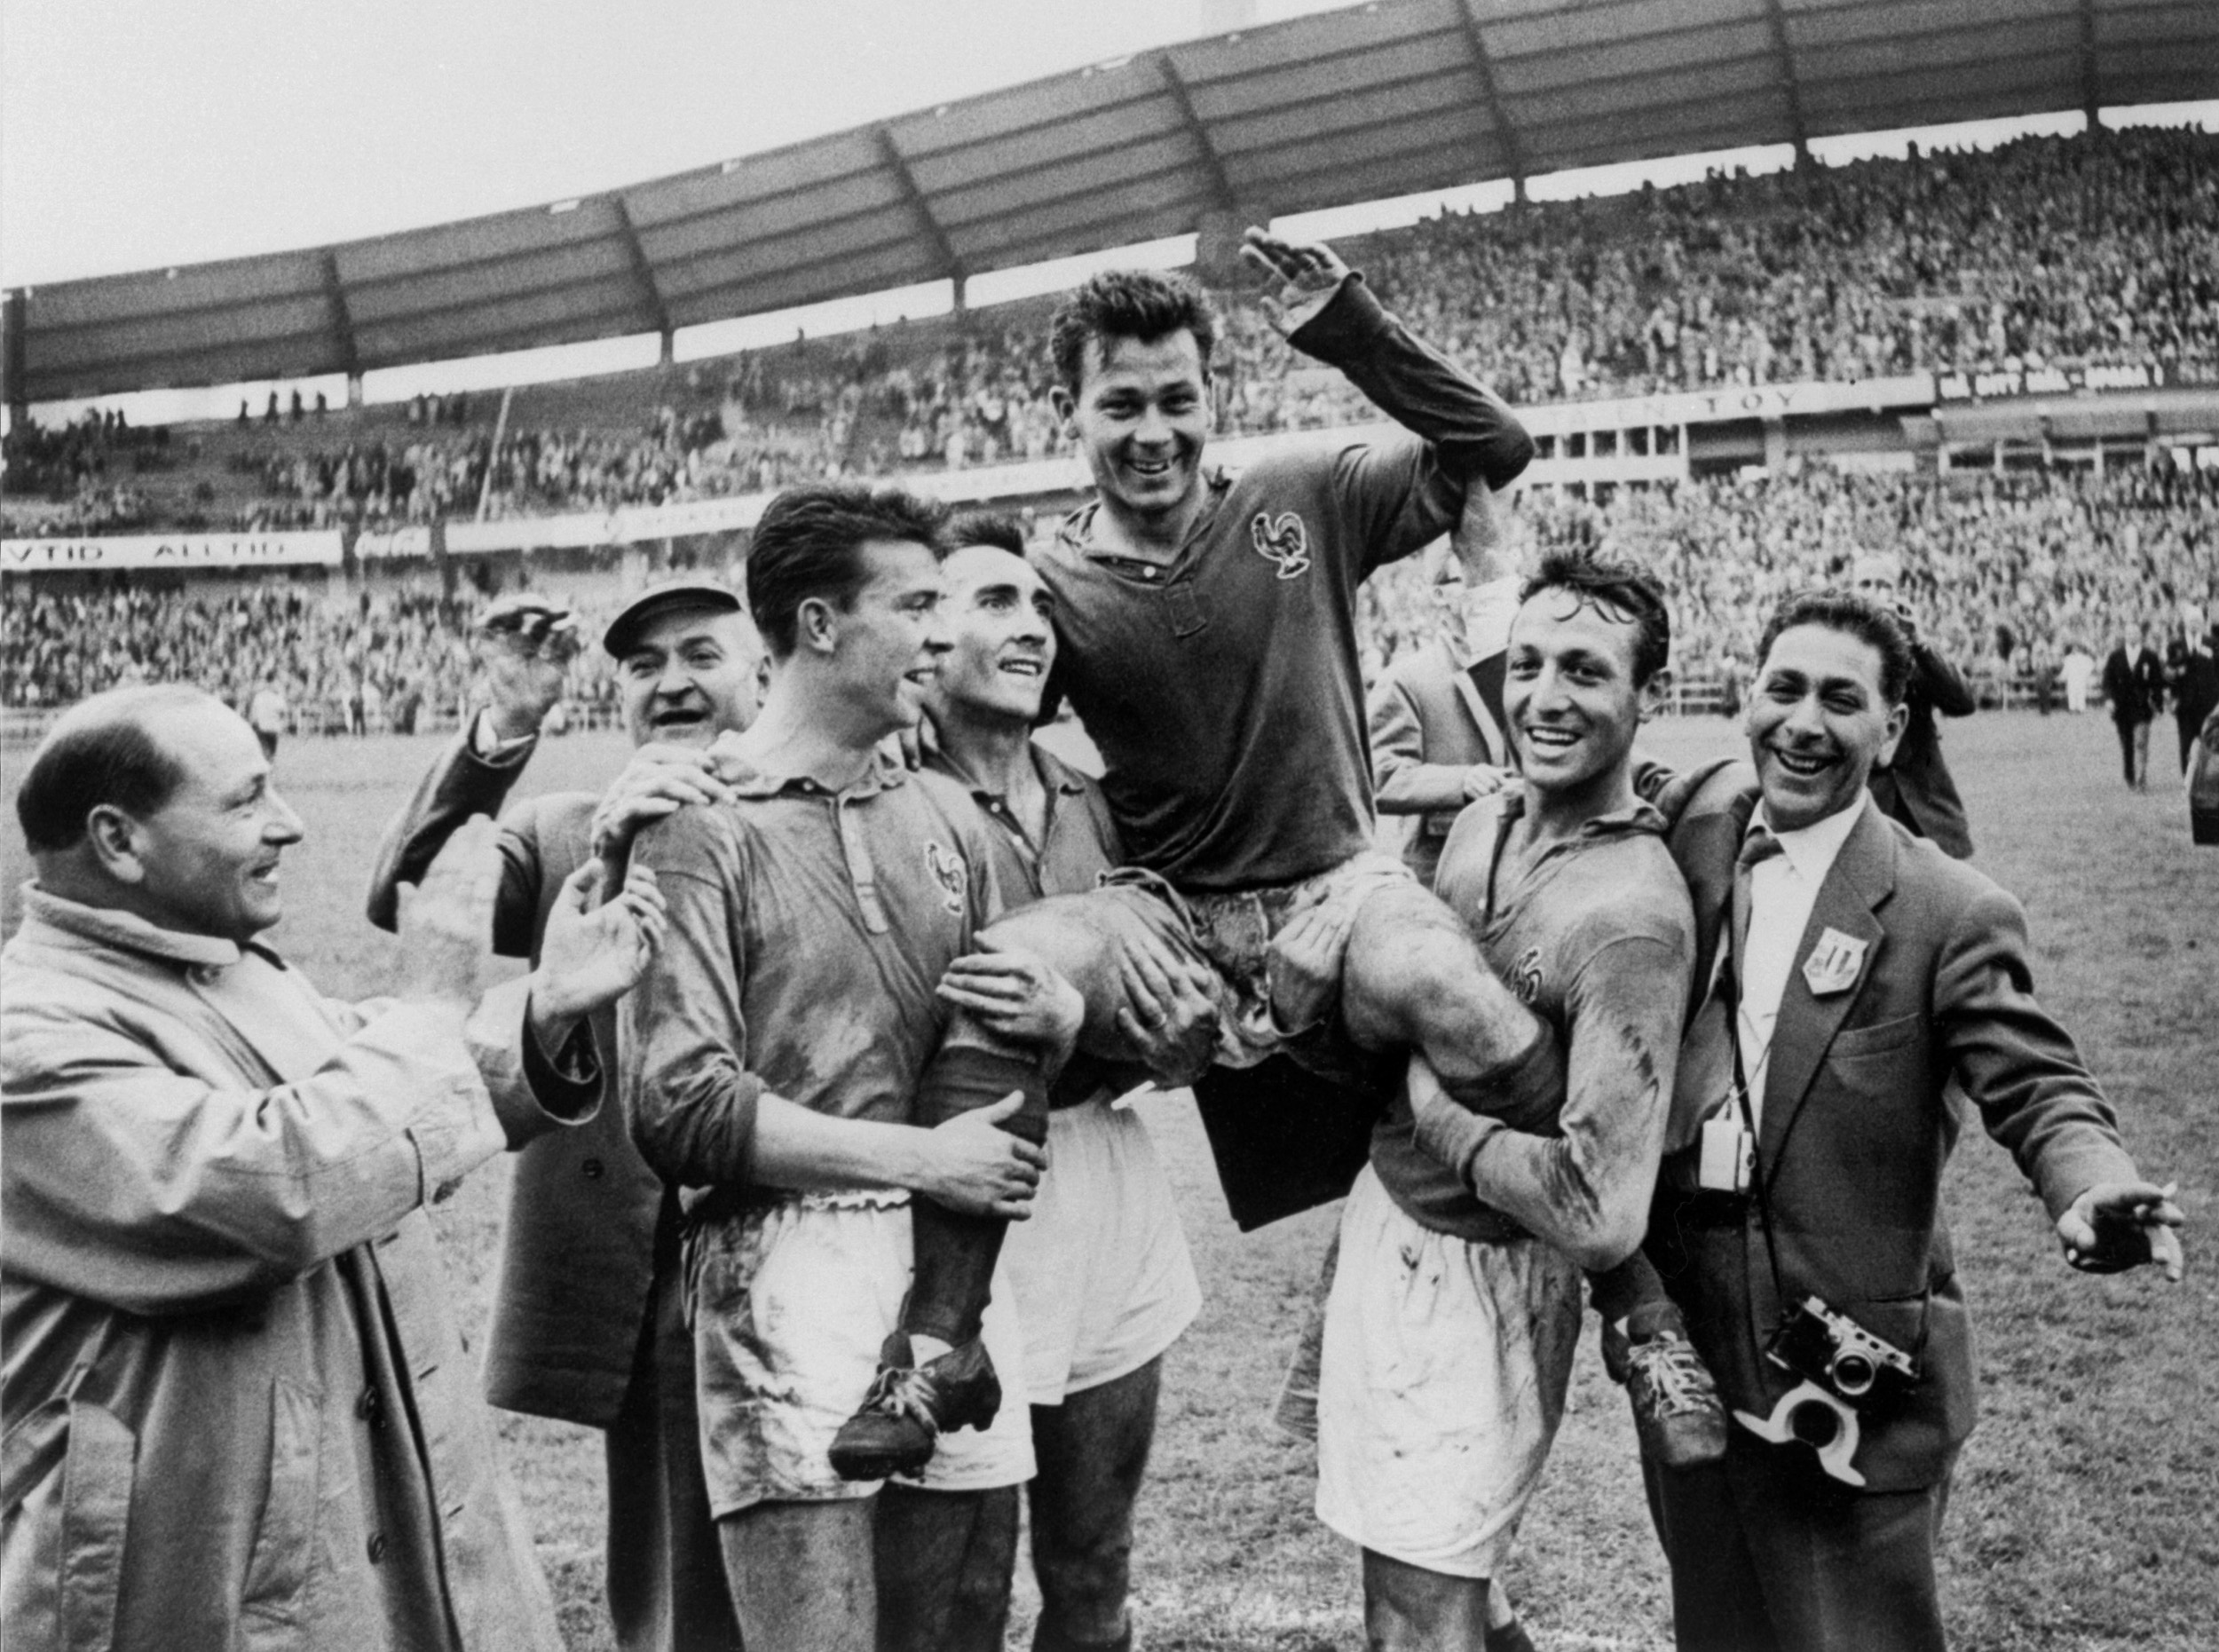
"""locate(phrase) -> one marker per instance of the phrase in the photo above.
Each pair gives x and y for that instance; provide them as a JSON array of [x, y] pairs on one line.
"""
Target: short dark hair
[[1622, 590], [100, 753], [1861, 618], [996, 528], [1144, 305], [808, 544]]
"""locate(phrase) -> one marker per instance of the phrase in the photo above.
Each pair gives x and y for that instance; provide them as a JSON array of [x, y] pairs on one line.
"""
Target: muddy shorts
[[1231, 935], [789, 1303]]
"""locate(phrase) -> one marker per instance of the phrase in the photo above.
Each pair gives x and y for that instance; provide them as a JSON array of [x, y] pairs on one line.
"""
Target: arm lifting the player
[[1584, 1183]]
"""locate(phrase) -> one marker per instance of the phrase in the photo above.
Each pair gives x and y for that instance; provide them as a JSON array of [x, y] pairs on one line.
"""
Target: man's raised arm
[[1327, 312], [525, 643]]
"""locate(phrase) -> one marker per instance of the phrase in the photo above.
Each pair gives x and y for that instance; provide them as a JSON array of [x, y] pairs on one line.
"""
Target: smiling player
[[1461, 1243], [1206, 631]]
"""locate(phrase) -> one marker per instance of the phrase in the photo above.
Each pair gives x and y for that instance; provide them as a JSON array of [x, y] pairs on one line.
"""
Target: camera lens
[[1852, 1374], [1815, 1423]]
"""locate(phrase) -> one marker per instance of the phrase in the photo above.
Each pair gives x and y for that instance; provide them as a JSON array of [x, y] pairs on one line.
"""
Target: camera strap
[[1731, 982]]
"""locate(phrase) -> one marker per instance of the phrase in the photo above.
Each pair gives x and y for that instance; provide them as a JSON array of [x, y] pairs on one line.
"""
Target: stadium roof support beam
[[1790, 87], [650, 290], [1491, 95], [2090, 79], [1213, 162], [343, 329], [11, 353], [935, 235]]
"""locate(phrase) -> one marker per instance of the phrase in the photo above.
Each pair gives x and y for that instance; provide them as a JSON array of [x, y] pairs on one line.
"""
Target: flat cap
[[623, 630]]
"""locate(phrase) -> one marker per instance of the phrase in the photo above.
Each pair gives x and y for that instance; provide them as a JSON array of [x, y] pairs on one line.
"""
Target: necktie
[[1759, 845], [1705, 1079]]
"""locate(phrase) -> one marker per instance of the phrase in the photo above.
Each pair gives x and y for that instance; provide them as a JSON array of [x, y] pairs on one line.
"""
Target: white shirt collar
[[1813, 849]]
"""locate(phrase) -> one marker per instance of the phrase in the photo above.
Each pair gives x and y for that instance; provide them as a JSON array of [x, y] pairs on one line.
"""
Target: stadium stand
[[2007, 569], [2094, 250]]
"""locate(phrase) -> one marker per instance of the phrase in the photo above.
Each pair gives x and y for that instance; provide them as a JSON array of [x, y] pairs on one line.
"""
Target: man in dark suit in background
[[1915, 787], [586, 1326], [2134, 688], [2192, 675], [1853, 973]]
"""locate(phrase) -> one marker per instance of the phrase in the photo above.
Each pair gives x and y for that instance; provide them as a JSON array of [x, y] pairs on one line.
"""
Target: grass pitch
[[2080, 1514]]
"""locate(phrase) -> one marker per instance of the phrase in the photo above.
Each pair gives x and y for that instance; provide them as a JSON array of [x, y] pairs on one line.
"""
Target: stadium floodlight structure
[[1374, 101]]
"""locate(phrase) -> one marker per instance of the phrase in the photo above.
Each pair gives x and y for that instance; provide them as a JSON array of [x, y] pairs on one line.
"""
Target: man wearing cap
[[586, 1327], [1915, 789]]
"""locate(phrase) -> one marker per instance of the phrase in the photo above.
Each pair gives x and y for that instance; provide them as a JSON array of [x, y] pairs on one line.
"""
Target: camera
[[1844, 1369], [1841, 1356]]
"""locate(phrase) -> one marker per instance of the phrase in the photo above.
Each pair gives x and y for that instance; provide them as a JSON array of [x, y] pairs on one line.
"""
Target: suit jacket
[[579, 1246], [2195, 680], [1428, 725], [1916, 788], [2134, 687], [1855, 1128]]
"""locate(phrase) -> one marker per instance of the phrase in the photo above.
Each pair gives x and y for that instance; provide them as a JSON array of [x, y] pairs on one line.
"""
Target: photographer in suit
[[1852, 972]]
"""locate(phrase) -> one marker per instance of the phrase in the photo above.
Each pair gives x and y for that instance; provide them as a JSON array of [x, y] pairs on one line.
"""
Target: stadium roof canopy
[[1375, 101]]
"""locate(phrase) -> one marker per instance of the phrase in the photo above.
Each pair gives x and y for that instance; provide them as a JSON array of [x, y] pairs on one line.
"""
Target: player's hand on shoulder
[[2117, 1225], [1301, 277], [659, 780], [593, 951], [973, 1166]]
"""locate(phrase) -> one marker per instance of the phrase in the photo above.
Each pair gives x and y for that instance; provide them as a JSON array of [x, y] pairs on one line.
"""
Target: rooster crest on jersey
[[1285, 542], [948, 873]]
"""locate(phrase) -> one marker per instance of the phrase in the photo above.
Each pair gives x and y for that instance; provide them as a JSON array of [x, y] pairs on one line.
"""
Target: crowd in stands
[[2099, 249], [368, 661], [66, 479], [2093, 250], [2005, 571]]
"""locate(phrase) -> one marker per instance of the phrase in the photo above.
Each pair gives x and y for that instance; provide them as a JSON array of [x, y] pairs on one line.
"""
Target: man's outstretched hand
[[594, 952], [2117, 1225], [1303, 277]]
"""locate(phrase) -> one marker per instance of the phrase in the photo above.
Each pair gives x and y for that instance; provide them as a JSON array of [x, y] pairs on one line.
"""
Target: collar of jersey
[[884, 774], [1060, 776], [1078, 528], [1642, 817]]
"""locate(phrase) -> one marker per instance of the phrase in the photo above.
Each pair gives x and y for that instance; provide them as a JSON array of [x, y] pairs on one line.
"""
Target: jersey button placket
[[863, 872]]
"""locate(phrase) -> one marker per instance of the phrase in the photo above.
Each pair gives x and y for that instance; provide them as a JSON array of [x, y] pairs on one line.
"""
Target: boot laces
[[1675, 1375]]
